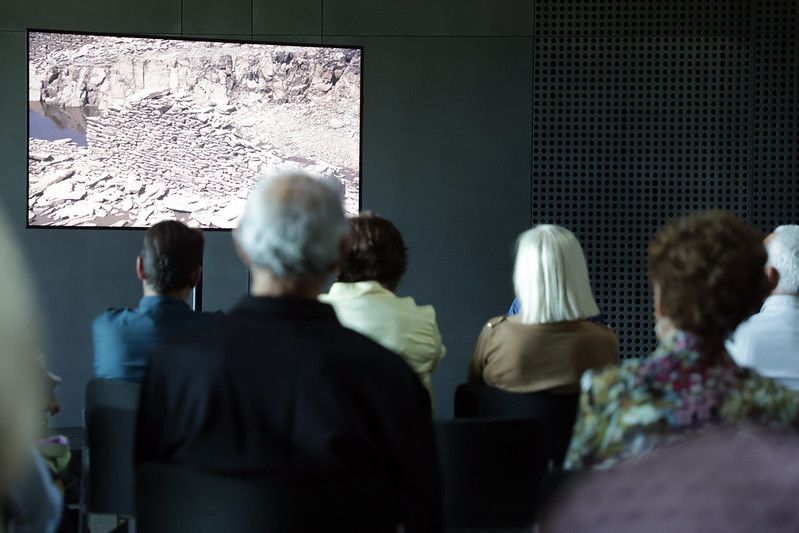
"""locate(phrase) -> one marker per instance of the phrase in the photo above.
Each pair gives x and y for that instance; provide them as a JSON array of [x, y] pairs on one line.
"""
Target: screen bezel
[[243, 40]]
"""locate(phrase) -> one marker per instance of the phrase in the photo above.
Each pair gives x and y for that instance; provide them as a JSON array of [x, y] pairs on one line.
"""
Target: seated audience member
[[769, 341], [723, 480], [364, 300], [169, 267], [516, 305], [279, 387], [28, 497], [707, 275], [550, 342]]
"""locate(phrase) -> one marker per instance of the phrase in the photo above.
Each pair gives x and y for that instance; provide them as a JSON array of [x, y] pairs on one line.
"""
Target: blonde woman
[[549, 343]]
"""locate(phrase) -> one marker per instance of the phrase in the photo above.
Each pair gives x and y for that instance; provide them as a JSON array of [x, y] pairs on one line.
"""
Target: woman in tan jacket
[[550, 342]]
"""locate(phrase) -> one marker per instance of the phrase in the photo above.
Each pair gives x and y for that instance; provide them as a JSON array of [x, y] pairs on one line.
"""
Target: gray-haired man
[[769, 340], [279, 387]]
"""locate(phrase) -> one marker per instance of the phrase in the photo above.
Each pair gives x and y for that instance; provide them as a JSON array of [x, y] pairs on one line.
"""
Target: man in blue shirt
[[169, 267]]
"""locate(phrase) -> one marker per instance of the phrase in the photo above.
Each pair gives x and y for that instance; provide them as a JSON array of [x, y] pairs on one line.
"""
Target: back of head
[[783, 256], [292, 227], [709, 268], [551, 276], [22, 398], [172, 255], [377, 252]]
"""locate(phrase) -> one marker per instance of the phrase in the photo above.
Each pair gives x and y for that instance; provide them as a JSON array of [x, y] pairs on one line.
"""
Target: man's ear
[[773, 277], [197, 277], [239, 250], [140, 268]]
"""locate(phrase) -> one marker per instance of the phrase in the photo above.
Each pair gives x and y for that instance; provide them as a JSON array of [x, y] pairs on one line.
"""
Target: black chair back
[[108, 459], [491, 471], [557, 411], [176, 499], [112, 393]]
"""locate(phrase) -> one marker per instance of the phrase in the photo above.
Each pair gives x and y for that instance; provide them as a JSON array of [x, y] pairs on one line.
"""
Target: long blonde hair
[[551, 276]]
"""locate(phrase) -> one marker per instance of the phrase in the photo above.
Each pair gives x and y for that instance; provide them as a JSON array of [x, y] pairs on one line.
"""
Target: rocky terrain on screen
[[185, 131]]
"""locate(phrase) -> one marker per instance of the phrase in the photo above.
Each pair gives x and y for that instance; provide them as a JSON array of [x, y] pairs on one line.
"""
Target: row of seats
[[493, 457]]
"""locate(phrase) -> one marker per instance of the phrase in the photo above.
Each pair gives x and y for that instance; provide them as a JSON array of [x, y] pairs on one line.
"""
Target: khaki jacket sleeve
[[479, 357]]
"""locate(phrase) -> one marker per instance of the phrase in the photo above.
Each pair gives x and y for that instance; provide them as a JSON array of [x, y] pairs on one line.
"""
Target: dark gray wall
[[480, 117], [446, 155]]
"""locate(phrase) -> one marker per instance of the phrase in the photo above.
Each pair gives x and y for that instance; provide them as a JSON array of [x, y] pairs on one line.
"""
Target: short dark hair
[[171, 255], [710, 268], [377, 252]]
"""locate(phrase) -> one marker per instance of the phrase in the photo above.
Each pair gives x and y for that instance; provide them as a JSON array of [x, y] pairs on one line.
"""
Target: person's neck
[[264, 283], [710, 346], [179, 294]]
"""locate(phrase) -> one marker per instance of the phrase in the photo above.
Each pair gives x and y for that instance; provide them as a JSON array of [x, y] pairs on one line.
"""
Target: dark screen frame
[[28, 31]]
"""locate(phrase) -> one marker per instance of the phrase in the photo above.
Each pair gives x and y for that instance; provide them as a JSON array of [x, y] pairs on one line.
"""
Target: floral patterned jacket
[[627, 411]]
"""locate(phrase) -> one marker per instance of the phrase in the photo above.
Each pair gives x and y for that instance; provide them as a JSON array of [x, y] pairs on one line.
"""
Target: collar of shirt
[[780, 301], [149, 302], [284, 308], [343, 291]]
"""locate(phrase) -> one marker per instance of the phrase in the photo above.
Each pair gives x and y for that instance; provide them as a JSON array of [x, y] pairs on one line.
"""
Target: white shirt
[[769, 341], [398, 324]]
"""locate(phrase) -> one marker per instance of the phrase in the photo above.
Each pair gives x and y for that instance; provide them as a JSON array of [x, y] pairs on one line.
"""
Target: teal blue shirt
[[124, 339]]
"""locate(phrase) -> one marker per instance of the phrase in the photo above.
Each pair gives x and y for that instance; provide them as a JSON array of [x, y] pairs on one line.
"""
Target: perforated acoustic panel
[[647, 110], [775, 115]]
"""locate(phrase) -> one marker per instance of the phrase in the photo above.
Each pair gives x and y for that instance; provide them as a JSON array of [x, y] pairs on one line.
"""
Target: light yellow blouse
[[398, 324]]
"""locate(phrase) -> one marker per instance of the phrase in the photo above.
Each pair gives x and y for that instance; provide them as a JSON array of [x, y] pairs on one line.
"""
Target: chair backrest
[[557, 411], [491, 470], [175, 499], [110, 426], [112, 393]]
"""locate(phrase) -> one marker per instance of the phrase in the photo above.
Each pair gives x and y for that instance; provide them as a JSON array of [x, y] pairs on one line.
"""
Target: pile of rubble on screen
[[159, 156]]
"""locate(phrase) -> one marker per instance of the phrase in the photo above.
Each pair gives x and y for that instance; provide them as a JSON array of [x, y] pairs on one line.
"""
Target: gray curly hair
[[292, 226]]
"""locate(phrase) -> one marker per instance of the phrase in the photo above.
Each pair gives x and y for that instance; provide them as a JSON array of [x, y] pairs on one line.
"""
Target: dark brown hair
[[172, 254], [710, 270], [377, 252]]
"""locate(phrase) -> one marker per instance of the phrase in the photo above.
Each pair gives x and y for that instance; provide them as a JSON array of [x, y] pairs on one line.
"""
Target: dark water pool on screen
[[51, 123]]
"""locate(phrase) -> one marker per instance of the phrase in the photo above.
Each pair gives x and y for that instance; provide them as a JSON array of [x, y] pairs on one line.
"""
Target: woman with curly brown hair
[[707, 274], [364, 300]]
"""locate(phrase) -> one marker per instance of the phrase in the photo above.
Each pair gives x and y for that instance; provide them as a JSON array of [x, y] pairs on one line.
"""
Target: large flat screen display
[[126, 131]]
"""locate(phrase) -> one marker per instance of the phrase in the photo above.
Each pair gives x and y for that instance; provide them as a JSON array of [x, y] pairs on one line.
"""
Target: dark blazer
[[280, 388]]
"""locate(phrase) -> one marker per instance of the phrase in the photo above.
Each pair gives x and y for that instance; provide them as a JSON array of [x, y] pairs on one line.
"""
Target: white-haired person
[[30, 499], [769, 341], [707, 273], [279, 387], [550, 343]]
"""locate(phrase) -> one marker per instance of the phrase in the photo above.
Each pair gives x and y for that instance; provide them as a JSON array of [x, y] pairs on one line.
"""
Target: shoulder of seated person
[[600, 327], [497, 320], [605, 378], [112, 312], [211, 314], [424, 310], [607, 328]]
